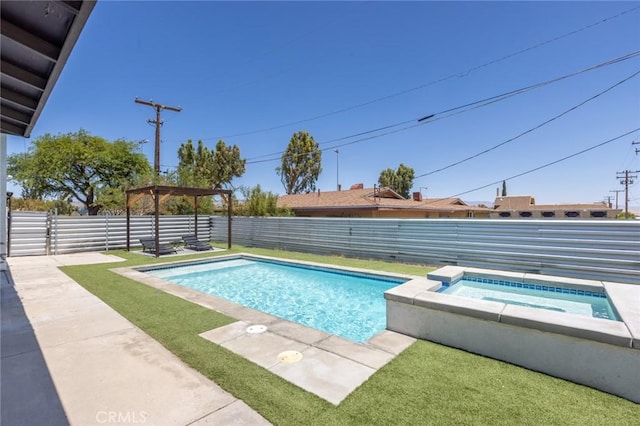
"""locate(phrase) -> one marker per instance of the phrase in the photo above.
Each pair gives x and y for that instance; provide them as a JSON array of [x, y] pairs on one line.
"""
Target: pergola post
[[128, 220], [195, 208], [156, 198], [229, 213]]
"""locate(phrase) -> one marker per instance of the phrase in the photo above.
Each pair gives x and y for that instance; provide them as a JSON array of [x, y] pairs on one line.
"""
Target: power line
[[539, 167], [529, 130], [458, 110], [535, 169], [549, 164], [431, 83]]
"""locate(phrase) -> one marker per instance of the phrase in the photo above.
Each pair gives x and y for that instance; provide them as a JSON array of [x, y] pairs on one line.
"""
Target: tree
[[504, 188], [400, 180], [201, 167], [301, 164], [77, 165], [260, 203], [625, 216], [37, 205], [112, 200]]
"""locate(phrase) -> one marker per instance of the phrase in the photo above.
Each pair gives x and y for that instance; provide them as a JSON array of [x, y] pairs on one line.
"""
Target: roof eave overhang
[[21, 109]]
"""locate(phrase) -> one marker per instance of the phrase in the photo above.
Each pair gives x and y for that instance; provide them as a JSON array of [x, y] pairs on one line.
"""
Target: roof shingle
[[364, 198]]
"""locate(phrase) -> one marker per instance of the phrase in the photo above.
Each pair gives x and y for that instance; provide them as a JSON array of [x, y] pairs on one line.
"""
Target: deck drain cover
[[289, 357], [255, 329]]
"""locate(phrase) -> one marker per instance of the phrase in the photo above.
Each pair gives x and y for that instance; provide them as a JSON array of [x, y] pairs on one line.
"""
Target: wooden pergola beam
[[134, 199]]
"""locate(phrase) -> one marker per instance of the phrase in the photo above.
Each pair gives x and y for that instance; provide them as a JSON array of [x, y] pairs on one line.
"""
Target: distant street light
[[337, 169], [142, 142]]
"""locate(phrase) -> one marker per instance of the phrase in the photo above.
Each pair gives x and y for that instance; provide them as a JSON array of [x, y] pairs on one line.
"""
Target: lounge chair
[[149, 246], [192, 242]]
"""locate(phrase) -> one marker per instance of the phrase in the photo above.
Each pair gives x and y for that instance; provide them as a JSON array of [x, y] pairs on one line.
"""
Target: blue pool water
[[346, 304], [558, 299]]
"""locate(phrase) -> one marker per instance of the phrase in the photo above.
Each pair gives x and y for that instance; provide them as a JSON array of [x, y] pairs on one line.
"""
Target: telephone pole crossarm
[[158, 107], [626, 178]]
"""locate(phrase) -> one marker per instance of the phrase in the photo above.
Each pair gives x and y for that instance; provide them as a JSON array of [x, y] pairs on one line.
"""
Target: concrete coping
[[406, 292], [250, 256], [625, 299], [599, 330], [446, 274], [514, 277], [566, 282], [451, 274]]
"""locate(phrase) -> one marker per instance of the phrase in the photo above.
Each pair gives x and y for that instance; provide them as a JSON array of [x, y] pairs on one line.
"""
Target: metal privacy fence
[[48, 233], [596, 249]]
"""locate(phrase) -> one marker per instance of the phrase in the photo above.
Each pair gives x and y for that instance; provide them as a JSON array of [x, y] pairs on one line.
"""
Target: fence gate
[[29, 233]]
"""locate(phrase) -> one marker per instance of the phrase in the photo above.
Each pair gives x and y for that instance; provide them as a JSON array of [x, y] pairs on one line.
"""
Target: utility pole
[[607, 199], [637, 150], [617, 191], [158, 123], [626, 179], [337, 169]]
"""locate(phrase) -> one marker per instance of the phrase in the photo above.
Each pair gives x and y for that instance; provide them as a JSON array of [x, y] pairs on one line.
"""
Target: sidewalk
[[68, 358]]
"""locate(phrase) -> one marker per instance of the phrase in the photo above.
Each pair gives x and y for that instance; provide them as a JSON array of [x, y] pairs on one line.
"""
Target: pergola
[[161, 193]]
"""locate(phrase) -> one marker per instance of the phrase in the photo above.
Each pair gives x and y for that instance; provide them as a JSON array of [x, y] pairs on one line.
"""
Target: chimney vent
[[417, 196], [357, 186]]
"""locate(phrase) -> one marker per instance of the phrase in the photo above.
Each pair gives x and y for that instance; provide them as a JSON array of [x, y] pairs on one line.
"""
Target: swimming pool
[[344, 303], [550, 297]]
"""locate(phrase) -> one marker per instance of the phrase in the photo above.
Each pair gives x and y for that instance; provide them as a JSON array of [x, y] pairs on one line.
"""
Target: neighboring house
[[377, 203], [524, 206]]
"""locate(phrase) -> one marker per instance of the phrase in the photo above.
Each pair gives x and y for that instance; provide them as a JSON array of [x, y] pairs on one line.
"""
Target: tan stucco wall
[[559, 214]]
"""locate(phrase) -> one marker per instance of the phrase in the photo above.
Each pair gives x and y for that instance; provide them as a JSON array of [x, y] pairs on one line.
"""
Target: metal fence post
[[106, 225], [55, 231]]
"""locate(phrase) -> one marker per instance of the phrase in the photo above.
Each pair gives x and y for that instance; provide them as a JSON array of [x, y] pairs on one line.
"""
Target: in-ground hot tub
[[547, 334]]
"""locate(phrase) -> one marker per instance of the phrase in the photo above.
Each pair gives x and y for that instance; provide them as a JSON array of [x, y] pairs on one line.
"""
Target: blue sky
[[237, 68]]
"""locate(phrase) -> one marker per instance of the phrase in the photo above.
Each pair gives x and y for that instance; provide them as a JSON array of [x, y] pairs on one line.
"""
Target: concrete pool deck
[[68, 358]]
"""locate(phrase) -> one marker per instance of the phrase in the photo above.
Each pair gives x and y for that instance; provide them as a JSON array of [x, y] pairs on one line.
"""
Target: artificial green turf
[[426, 384], [433, 384]]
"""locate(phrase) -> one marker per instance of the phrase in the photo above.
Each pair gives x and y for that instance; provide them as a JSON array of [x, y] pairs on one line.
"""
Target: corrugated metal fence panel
[[70, 234], [598, 249], [28, 233], [428, 241]]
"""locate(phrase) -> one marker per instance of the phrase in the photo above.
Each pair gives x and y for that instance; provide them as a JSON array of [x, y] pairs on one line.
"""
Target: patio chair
[[149, 246], [192, 242]]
